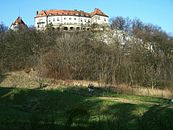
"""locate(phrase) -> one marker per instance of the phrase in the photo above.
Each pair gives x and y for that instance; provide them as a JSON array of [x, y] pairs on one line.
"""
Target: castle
[[70, 19]]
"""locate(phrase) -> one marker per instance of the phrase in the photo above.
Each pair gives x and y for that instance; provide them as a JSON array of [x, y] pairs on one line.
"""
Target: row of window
[[98, 18], [85, 20]]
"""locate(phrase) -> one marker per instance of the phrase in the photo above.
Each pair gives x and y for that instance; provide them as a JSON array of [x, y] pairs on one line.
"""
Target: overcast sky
[[157, 12]]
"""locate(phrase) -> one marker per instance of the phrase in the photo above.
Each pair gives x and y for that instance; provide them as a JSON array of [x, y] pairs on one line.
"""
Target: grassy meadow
[[74, 108]]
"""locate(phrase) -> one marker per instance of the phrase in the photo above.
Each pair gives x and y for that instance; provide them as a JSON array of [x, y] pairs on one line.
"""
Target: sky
[[157, 12]]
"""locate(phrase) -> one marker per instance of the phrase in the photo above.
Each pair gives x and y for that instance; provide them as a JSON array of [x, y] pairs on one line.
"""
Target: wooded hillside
[[145, 60]]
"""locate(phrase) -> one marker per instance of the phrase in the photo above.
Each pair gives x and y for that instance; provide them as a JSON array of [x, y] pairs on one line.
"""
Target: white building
[[70, 19]]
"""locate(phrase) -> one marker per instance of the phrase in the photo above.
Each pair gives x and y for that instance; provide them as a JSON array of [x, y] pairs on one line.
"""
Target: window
[[57, 19], [65, 28], [81, 20], [85, 20], [53, 19], [98, 17], [69, 18], [71, 28], [78, 28], [74, 18], [65, 18]]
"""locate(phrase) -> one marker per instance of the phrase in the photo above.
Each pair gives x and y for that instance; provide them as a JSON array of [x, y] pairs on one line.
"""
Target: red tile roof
[[69, 12], [20, 22], [98, 12], [62, 12]]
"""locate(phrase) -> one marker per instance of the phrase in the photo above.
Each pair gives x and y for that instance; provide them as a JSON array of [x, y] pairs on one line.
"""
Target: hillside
[[140, 55]]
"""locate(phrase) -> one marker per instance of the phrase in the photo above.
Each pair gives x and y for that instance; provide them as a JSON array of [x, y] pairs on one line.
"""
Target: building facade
[[70, 19]]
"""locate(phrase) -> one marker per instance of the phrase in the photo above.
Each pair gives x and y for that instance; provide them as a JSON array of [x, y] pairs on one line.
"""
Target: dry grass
[[20, 79], [23, 79], [30, 79], [138, 90]]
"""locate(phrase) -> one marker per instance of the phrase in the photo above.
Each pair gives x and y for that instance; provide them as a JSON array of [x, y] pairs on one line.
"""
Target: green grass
[[74, 108]]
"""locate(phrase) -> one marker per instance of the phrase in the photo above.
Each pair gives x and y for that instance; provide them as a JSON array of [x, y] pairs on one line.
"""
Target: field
[[74, 108]]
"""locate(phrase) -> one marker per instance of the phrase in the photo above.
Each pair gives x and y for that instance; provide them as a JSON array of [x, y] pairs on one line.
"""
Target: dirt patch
[[123, 100]]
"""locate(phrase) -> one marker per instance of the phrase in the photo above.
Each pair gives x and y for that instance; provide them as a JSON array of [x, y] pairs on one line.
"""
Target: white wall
[[100, 19], [40, 23], [69, 20], [54, 20], [85, 20]]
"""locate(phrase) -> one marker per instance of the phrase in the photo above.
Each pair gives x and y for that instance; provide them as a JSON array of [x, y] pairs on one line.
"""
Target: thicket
[[145, 60]]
